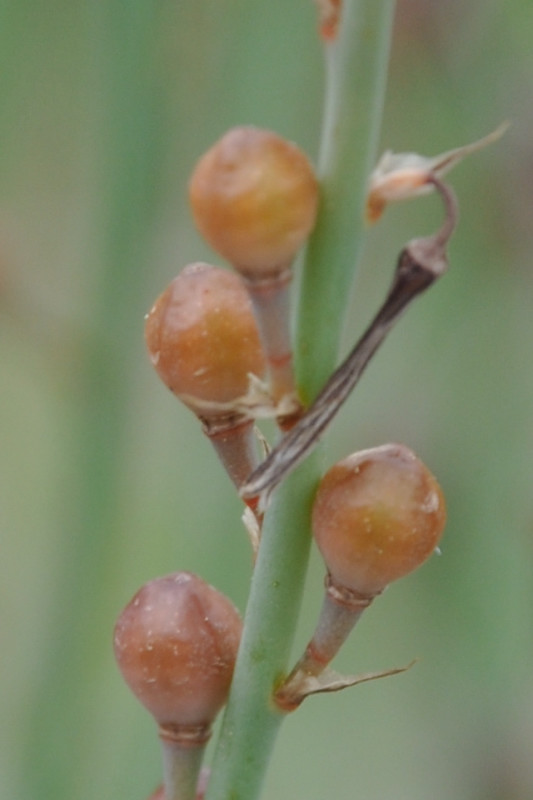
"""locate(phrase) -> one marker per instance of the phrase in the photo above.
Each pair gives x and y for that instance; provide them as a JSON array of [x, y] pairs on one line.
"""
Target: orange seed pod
[[378, 515], [254, 197], [203, 340], [176, 643]]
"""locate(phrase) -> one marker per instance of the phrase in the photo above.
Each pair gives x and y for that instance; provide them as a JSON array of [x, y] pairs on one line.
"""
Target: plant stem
[[235, 445], [181, 768], [252, 721], [271, 303], [335, 622], [355, 86], [354, 100]]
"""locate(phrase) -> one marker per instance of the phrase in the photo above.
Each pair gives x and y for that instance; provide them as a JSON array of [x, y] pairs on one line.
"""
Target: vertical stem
[[354, 100], [252, 721], [356, 67]]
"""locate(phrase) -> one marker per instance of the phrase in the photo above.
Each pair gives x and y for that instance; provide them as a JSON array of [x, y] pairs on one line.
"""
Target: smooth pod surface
[[202, 337], [377, 515], [175, 643], [254, 197]]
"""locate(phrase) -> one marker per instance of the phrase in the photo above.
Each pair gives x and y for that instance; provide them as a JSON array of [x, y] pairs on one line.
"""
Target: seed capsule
[[203, 341], [254, 197], [378, 515], [202, 338], [176, 643]]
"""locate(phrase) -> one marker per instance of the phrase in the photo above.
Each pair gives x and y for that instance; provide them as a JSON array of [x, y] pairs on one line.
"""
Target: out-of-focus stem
[[123, 124]]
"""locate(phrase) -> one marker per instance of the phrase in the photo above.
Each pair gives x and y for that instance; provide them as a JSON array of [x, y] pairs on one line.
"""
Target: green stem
[[181, 768], [355, 88], [251, 721], [354, 101]]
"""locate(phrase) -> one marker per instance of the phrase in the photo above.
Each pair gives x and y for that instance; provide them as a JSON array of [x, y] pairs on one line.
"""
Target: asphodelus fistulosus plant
[[221, 341]]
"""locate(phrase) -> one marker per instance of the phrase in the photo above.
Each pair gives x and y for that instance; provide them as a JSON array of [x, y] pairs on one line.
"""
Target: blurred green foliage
[[106, 482]]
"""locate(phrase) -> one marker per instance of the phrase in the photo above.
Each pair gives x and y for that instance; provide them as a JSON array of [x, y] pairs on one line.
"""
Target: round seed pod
[[176, 643], [254, 198], [203, 340], [377, 515]]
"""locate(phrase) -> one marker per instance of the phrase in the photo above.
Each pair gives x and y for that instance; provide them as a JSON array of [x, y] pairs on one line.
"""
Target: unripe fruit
[[203, 341], [202, 338], [377, 516], [254, 197], [176, 643]]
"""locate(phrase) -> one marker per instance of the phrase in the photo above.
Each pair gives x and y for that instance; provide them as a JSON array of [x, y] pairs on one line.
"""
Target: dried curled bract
[[401, 176]]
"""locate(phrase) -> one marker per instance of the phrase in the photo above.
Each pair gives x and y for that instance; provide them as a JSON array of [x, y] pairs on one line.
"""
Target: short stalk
[[252, 720], [271, 303], [182, 761], [235, 445], [341, 610]]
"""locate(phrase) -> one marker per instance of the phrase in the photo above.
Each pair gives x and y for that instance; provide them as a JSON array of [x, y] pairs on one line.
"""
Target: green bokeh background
[[106, 482]]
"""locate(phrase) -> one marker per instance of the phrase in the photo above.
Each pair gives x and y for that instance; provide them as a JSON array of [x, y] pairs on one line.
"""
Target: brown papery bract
[[378, 515], [254, 197], [175, 644]]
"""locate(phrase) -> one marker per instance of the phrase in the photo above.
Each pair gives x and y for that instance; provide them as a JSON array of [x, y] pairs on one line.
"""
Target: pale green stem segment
[[251, 720], [355, 87], [334, 625], [271, 303], [181, 768], [355, 91]]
